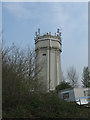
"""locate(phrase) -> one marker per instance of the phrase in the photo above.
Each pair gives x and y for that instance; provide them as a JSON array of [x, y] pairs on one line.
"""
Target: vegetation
[[63, 85], [22, 93], [46, 105], [86, 77], [18, 75], [18, 72], [72, 76]]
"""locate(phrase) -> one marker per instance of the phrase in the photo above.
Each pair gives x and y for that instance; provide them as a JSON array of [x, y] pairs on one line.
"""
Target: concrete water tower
[[48, 49]]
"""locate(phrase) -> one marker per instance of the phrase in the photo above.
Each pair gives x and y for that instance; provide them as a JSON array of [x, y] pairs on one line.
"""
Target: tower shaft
[[48, 49]]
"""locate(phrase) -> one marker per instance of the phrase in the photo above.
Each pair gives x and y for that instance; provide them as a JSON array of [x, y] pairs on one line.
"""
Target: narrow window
[[44, 54], [65, 95], [84, 93]]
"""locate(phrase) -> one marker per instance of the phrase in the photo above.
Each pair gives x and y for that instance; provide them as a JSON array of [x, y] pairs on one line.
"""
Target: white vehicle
[[79, 95]]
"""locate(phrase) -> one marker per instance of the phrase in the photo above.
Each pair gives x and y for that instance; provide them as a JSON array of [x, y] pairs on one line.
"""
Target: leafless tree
[[72, 76], [18, 73]]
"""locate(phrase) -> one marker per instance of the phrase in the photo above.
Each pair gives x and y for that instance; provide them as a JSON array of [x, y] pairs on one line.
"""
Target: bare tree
[[72, 76], [18, 73]]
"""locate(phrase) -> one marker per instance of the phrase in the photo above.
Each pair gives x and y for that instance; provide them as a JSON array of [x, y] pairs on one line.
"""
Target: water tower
[[48, 50]]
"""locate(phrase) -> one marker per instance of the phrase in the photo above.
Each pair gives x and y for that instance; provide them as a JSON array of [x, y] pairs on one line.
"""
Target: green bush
[[46, 105], [63, 85]]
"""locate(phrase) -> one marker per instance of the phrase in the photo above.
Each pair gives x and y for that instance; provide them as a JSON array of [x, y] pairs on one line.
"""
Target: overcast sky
[[21, 21]]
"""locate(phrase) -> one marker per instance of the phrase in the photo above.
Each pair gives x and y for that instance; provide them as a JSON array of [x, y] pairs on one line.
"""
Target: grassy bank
[[43, 106]]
